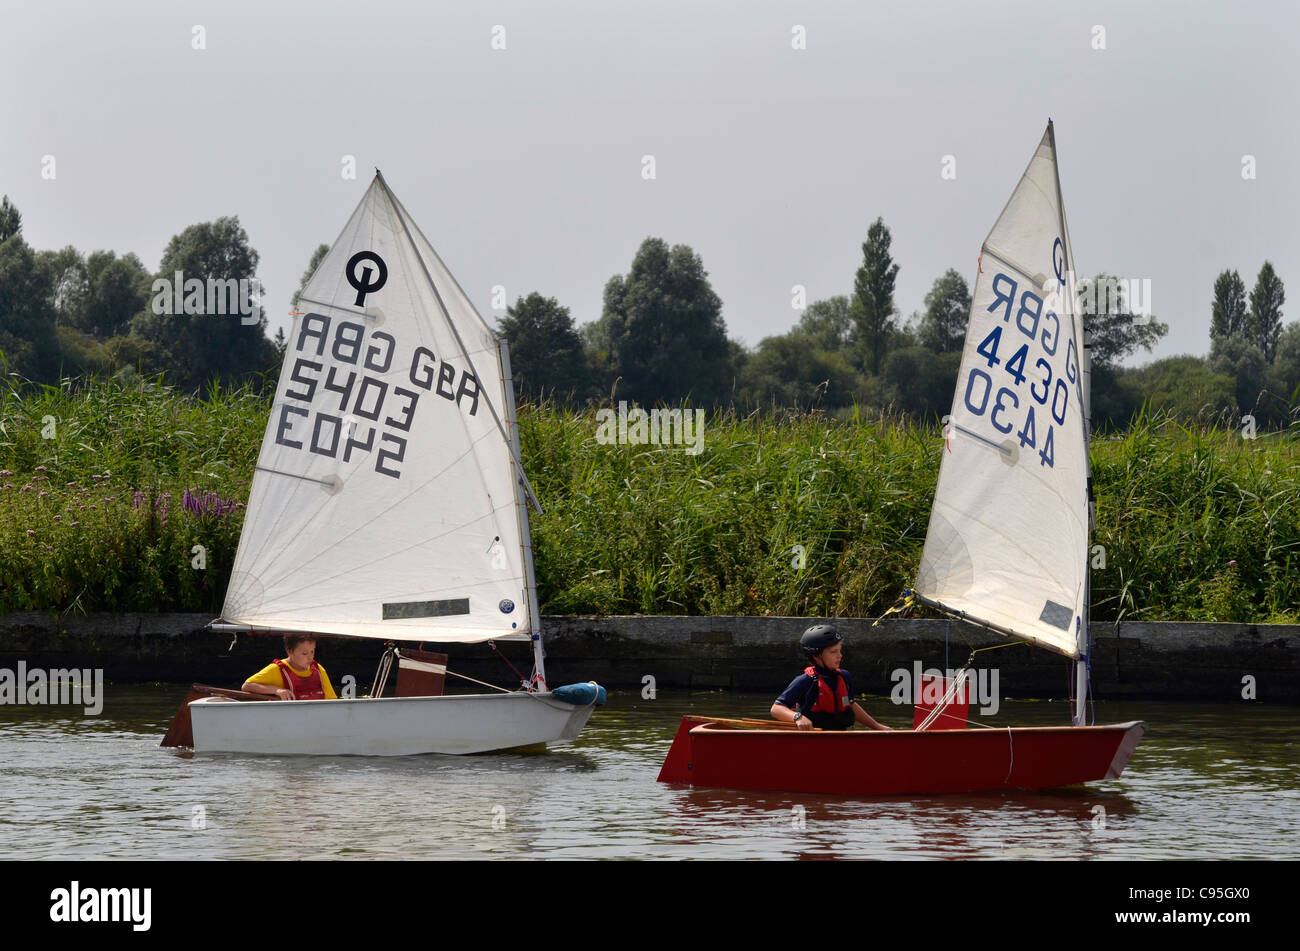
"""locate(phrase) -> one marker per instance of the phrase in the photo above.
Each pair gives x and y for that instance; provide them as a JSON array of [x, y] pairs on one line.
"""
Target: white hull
[[387, 726]]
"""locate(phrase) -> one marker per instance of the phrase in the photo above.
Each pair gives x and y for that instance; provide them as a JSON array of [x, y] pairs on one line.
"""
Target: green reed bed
[[1197, 524], [654, 529], [779, 514], [94, 510]]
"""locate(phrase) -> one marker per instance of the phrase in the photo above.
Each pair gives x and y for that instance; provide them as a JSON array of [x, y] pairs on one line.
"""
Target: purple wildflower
[[206, 503]]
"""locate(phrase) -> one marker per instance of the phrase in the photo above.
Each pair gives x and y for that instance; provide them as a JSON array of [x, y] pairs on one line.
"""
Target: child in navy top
[[822, 696]]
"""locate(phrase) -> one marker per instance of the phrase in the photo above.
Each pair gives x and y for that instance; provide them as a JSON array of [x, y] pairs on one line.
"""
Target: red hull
[[711, 752]]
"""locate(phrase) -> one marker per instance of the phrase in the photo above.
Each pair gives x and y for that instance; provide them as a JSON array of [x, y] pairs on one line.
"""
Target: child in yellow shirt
[[297, 677]]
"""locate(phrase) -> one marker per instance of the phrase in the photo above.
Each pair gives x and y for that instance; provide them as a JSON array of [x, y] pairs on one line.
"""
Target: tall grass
[[791, 514], [92, 484], [1197, 523], [648, 529]]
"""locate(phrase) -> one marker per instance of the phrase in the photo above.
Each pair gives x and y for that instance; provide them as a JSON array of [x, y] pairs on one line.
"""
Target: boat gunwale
[[708, 726], [547, 698]]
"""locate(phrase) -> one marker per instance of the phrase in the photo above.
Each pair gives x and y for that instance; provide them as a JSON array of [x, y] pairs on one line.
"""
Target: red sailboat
[[1006, 547]]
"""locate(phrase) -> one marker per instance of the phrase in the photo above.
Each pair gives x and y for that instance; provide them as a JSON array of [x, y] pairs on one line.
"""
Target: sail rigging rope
[[381, 675], [953, 686], [481, 683], [907, 601], [386, 664], [522, 681], [901, 606]]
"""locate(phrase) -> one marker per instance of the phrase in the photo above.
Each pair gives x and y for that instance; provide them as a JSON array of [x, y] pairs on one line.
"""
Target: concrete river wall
[[1156, 660]]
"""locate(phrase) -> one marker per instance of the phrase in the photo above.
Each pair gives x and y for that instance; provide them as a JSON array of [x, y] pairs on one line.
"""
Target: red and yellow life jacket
[[302, 688], [828, 702]]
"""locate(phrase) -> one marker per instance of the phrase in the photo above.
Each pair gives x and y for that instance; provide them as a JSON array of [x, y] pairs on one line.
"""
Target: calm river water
[[1208, 782]]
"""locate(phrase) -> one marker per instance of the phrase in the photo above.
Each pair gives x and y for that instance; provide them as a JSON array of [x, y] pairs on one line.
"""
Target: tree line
[[69, 314], [661, 339], [660, 336]]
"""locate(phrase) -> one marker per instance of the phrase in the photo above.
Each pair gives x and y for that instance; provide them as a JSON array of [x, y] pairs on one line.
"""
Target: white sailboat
[[389, 502], [1006, 548]]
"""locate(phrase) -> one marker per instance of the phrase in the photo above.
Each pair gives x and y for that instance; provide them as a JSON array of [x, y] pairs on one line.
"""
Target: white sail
[[384, 500], [1008, 535]]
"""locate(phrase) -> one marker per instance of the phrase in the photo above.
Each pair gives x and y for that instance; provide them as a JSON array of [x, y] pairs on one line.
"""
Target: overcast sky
[[524, 165]]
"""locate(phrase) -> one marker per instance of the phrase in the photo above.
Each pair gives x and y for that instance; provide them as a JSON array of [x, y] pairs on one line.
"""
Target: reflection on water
[[1208, 781]]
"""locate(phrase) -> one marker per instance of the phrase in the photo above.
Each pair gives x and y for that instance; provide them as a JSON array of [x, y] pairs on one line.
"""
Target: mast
[[1084, 641], [521, 506], [1079, 716]]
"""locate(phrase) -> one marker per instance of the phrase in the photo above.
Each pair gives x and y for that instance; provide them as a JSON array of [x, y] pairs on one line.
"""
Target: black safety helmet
[[819, 637]]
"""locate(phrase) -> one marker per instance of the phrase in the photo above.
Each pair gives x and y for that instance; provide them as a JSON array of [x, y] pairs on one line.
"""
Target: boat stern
[[1128, 743], [577, 720]]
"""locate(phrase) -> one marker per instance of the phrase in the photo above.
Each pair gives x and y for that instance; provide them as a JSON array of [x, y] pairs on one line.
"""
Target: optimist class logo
[[363, 284]]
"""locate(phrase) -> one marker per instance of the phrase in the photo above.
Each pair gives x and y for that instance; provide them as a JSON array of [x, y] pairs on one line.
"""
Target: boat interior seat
[[420, 673]]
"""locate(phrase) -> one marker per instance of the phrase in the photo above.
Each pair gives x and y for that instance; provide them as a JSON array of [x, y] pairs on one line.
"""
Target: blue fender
[[581, 694]]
